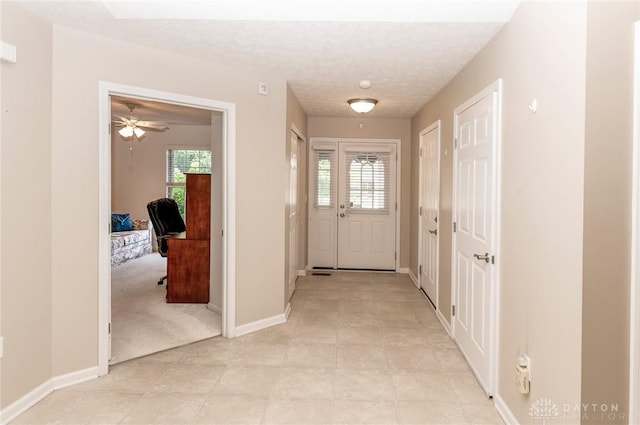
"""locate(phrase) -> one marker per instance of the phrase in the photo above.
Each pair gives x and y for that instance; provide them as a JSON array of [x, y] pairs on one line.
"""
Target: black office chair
[[167, 221]]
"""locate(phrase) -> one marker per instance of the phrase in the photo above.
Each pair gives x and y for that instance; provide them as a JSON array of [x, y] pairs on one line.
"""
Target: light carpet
[[142, 322]]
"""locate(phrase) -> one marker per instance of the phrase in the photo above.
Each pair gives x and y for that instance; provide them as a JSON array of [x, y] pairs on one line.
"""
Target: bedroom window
[[179, 163]]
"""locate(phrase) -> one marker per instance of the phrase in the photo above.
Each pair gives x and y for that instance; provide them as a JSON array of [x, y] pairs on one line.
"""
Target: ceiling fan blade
[[157, 125]]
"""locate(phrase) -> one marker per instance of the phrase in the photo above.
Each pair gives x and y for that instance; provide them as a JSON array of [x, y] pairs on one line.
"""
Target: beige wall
[[373, 128], [260, 132], [540, 263], [139, 176], [25, 167], [296, 117], [607, 219]]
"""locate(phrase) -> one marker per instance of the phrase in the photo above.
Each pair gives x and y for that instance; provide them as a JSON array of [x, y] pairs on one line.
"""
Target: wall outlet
[[523, 374], [523, 384]]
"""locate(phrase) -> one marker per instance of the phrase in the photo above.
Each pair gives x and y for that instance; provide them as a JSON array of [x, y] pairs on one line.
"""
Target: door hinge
[[420, 213], [222, 233], [455, 143], [455, 227], [420, 270], [420, 152], [453, 310], [109, 128], [109, 328], [493, 259], [396, 206]]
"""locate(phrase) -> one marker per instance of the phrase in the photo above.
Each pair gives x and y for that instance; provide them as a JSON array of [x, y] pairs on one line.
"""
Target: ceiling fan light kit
[[362, 106], [133, 127]]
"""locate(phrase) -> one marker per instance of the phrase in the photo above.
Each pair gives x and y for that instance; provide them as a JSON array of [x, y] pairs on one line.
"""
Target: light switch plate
[[8, 52], [263, 88]]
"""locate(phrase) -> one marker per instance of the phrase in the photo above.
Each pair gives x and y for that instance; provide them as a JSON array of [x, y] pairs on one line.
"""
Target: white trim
[[215, 308], [414, 278], [302, 272], [74, 378], [30, 399], [106, 89], [25, 402], [443, 321], [299, 133], [334, 144], [436, 126], [287, 312], [634, 313], [503, 410], [403, 270], [495, 90], [258, 325]]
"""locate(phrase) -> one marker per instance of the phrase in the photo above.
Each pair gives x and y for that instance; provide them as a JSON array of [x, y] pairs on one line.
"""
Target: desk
[[187, 270], [188, 260]]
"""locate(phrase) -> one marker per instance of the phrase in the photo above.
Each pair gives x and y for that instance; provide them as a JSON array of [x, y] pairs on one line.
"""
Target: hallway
[[359, 348]]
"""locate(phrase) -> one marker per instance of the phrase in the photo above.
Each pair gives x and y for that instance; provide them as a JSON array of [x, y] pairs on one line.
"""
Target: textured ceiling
[[407, 62]]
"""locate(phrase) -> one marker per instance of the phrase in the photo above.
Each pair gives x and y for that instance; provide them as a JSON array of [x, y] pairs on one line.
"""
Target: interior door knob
[[484, 257], [434, 232]]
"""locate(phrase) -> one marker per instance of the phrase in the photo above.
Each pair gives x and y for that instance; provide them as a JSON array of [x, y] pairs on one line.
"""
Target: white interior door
[[429, 211], [293, 213], [367, 206], [474, 238]]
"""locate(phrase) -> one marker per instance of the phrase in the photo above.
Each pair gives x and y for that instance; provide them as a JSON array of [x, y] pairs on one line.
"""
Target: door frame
[[634, 313], [337, 141], [228, 110], [494, 89], [291, 285], [436, 126]]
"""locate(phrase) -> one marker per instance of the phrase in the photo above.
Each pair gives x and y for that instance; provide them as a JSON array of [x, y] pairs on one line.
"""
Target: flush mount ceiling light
[[362, 106]]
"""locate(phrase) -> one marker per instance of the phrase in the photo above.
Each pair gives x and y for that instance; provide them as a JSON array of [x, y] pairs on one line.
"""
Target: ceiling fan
[[132, 127]]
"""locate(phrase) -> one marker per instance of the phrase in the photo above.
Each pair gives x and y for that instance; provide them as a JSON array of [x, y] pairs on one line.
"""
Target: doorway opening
[[222, 221], [177, 144]]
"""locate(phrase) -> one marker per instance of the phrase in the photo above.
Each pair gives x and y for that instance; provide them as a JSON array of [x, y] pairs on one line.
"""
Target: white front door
[[475, 242], [352, 204], [293, 213], [367, 210], [429, 211]]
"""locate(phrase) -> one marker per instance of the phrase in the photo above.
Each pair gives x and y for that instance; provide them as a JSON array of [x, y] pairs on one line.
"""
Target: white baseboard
[[19, 406], [413, 278], [302, 272], [504, 411], [446, 325], [404, 270], [215, 308], [34, 396], [287, 312], [261, 324]]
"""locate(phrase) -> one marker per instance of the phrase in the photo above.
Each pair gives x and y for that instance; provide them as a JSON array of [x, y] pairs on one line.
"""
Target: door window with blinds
[[181, 162], [325, 177], [367, 182]]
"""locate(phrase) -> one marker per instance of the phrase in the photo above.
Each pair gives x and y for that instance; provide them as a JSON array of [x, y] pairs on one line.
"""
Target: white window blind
[[179, 163], [324, 178], [367, 182]]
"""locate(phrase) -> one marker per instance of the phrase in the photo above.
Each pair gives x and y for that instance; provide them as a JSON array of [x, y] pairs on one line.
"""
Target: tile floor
[[359, 348]]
